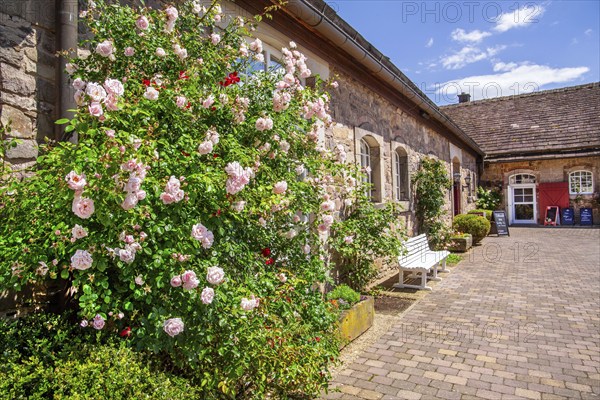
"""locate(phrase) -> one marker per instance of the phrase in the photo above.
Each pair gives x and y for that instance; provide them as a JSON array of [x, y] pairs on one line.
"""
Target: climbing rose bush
[[196, 211]]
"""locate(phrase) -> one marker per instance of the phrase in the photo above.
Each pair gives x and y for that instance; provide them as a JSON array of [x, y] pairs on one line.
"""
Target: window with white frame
[[400, 174], [581, 182], [365, 164]]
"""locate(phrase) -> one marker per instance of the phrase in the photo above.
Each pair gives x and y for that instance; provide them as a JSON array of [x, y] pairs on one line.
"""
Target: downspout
[[319, 21], [66, 39]]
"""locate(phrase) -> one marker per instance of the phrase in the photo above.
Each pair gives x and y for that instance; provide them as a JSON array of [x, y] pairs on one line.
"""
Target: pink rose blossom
[[239, 205], [129, 239], [280, 187], [205, 147], [172, 193], [143, 236], [282, 278], [203, 235], [98, 322], [110, 133], [210, 100], [172, 13], [129, 51], [96, 92], [151, 93], [142, 23], [83, 207], [189, 280], [79, 97], [263, 124], [79, 84], [70, 68], [105, 48], [139, 280], [176, 281], [249, 304], [328, 205], [173, 326], [140, 194], [300, 169], [114, 86], [160, 52], [95, 109], [215, 275], [349, 239], [79, 232], [127, 255], [207, 296], [111, 102], [130, 201], [239, 177], [181, 101], [75, 181], [256, 46], [215, 38], [81, 260], [306, 249], [83, 323]]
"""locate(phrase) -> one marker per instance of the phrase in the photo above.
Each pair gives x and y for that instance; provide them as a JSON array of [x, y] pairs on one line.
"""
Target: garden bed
[[357, 320]]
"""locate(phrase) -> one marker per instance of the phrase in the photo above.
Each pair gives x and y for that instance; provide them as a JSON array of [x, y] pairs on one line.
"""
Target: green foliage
[[453, 259], [431, 184], [364, 234], [487, 213], [488, 199], [476, 225], [44, 356], [345, 293]]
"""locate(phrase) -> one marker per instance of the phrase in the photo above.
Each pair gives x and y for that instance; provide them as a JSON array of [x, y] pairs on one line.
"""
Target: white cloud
[[476, 36], [429, 42], [519, 79], [588, 32], [468, 55], [520, 17], [503, 67]]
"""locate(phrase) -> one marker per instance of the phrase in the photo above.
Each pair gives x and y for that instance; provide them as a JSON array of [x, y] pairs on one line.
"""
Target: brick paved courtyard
[[518, 318]]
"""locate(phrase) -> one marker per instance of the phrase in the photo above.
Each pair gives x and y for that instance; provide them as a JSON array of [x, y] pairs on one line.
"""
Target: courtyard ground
[[519, 317]]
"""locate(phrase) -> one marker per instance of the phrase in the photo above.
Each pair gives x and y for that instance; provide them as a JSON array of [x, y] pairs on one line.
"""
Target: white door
[[523, 205]]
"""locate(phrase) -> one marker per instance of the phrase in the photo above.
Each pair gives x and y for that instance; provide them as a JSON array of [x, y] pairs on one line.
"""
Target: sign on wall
[[552, 216]]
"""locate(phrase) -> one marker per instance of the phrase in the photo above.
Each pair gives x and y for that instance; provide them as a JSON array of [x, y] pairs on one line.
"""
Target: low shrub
[[487, 213], [476, 225], [453, 259], [44, 356], [345, 295]]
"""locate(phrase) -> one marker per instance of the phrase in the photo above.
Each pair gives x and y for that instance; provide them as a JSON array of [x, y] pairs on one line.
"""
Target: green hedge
[[488, 213], [44, 356], [476, 225]]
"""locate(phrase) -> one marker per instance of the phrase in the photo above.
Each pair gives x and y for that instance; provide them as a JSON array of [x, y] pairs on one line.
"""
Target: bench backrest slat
[[416, 249]]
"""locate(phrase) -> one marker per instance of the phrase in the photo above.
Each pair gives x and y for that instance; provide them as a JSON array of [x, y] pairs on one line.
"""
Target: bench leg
[[435, 271], [424, 281], [400, 283], [444, 269]]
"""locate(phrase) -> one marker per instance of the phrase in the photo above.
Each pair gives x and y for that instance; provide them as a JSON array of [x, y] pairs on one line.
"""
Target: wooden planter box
[[357, 320], [460, 244]]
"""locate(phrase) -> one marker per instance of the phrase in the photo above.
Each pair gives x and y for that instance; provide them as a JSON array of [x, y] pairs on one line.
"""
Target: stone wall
[[28, 92], [356, 106], [496, 175]]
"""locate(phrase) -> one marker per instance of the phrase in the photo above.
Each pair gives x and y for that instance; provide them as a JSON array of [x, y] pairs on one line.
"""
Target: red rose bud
[[146, 82], [125, 332], [269, 261], [266, 252]]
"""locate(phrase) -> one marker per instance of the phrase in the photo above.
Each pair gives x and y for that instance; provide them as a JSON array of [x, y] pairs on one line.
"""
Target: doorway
[[522, 199]]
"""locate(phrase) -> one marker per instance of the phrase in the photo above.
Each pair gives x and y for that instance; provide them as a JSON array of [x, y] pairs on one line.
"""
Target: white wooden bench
[[420, 260]]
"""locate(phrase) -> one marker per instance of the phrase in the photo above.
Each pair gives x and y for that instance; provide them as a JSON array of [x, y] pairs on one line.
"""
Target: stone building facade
[[542, 149]]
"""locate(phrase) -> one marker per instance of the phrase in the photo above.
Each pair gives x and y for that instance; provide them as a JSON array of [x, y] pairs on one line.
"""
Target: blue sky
[[485, 48]]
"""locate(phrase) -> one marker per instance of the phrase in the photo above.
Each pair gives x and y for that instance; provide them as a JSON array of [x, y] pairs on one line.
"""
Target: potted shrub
[[357, 312], [476, 225], [460, 242]]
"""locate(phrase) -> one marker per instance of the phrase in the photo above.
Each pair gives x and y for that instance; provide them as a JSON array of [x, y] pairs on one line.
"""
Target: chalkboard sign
[[567, 216], [501, 223], [552, 216], [585, 216]]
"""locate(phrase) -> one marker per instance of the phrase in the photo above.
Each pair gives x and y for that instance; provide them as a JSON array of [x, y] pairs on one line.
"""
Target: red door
[[552, 194]]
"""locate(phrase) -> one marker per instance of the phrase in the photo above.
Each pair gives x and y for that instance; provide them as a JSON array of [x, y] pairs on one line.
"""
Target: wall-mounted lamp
[[456, 177]]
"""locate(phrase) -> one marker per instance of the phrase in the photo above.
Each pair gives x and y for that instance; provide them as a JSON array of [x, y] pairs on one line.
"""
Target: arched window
[[400, 173], [581, 182], [521, 178], [365, 163]]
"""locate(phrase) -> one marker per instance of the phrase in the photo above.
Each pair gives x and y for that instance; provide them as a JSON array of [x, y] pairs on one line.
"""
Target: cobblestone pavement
[[518, 318]]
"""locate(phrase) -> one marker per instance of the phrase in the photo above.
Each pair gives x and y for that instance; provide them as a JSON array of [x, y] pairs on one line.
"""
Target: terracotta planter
[[461, 244], [357, 320]]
